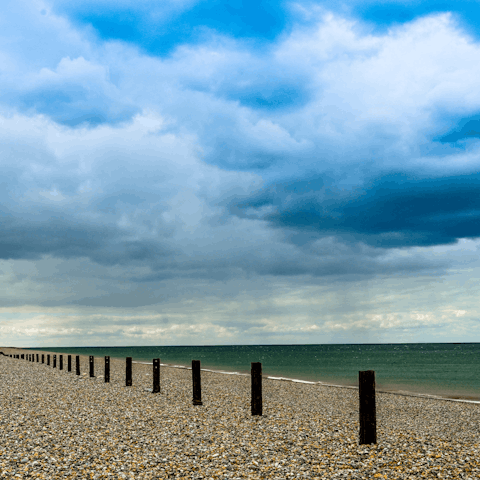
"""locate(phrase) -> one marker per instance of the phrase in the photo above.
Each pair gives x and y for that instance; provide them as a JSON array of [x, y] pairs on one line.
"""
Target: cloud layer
[[311, 152]]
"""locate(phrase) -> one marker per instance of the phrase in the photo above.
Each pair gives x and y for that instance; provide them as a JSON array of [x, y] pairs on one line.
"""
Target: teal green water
[[441, 369]]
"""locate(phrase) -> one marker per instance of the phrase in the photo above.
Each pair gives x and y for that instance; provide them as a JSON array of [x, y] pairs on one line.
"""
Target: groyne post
[[107, 369], [92, 365], [128, 372], [37, 357], [43, 358], [156, 375], [61, 361], [48, 359], [197, 386], [77, 364], [368, 420], [69, 363], [256, 376], [23, 356], [54, 361]]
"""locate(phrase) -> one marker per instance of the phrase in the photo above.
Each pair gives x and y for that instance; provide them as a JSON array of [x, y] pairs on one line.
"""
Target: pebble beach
[[57, 425]]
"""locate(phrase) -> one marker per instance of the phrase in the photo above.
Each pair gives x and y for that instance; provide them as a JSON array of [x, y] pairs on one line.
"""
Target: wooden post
[[69, 363], [48, 359], [54, 361], [256, 376], [368, 420], [43, 358], [107, 369], [61, 362], [77, 364], [92, 365], [37, 357], [128, 372], [197, 386], [23, 355], [156, 375]]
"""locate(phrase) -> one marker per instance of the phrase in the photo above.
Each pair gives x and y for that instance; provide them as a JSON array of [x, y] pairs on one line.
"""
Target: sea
[[450, 370]]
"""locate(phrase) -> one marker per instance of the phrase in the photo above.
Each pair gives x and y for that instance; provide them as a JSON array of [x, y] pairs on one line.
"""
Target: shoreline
[[453, 397], [404, 393]]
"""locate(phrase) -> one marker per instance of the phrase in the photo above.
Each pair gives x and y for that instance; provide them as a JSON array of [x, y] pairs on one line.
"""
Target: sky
[[192, 172]]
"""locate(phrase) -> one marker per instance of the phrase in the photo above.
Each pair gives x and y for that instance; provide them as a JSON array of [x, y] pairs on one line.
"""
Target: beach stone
[[54, 426]]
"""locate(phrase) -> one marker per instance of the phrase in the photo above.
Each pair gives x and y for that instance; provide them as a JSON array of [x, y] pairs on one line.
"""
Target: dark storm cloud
[[392, 211], [22, 239], [467, 128]]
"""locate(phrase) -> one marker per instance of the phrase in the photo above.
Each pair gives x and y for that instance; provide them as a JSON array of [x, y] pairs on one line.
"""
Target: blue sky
[[203, 172]]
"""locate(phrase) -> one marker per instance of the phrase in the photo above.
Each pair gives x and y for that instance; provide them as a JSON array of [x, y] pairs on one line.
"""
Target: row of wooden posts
[[367, 404]]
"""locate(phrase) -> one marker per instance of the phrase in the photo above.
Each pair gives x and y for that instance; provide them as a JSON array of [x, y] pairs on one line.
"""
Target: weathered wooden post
[[37, 357], [48, 359], [107, 369], [156, 375], [197, 386], [22, 355], [54, 361], [43, 358], [77, 364], [256, 377], [92, 365], [69, 363], [128, 372], [368, 420], [61, 362]]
